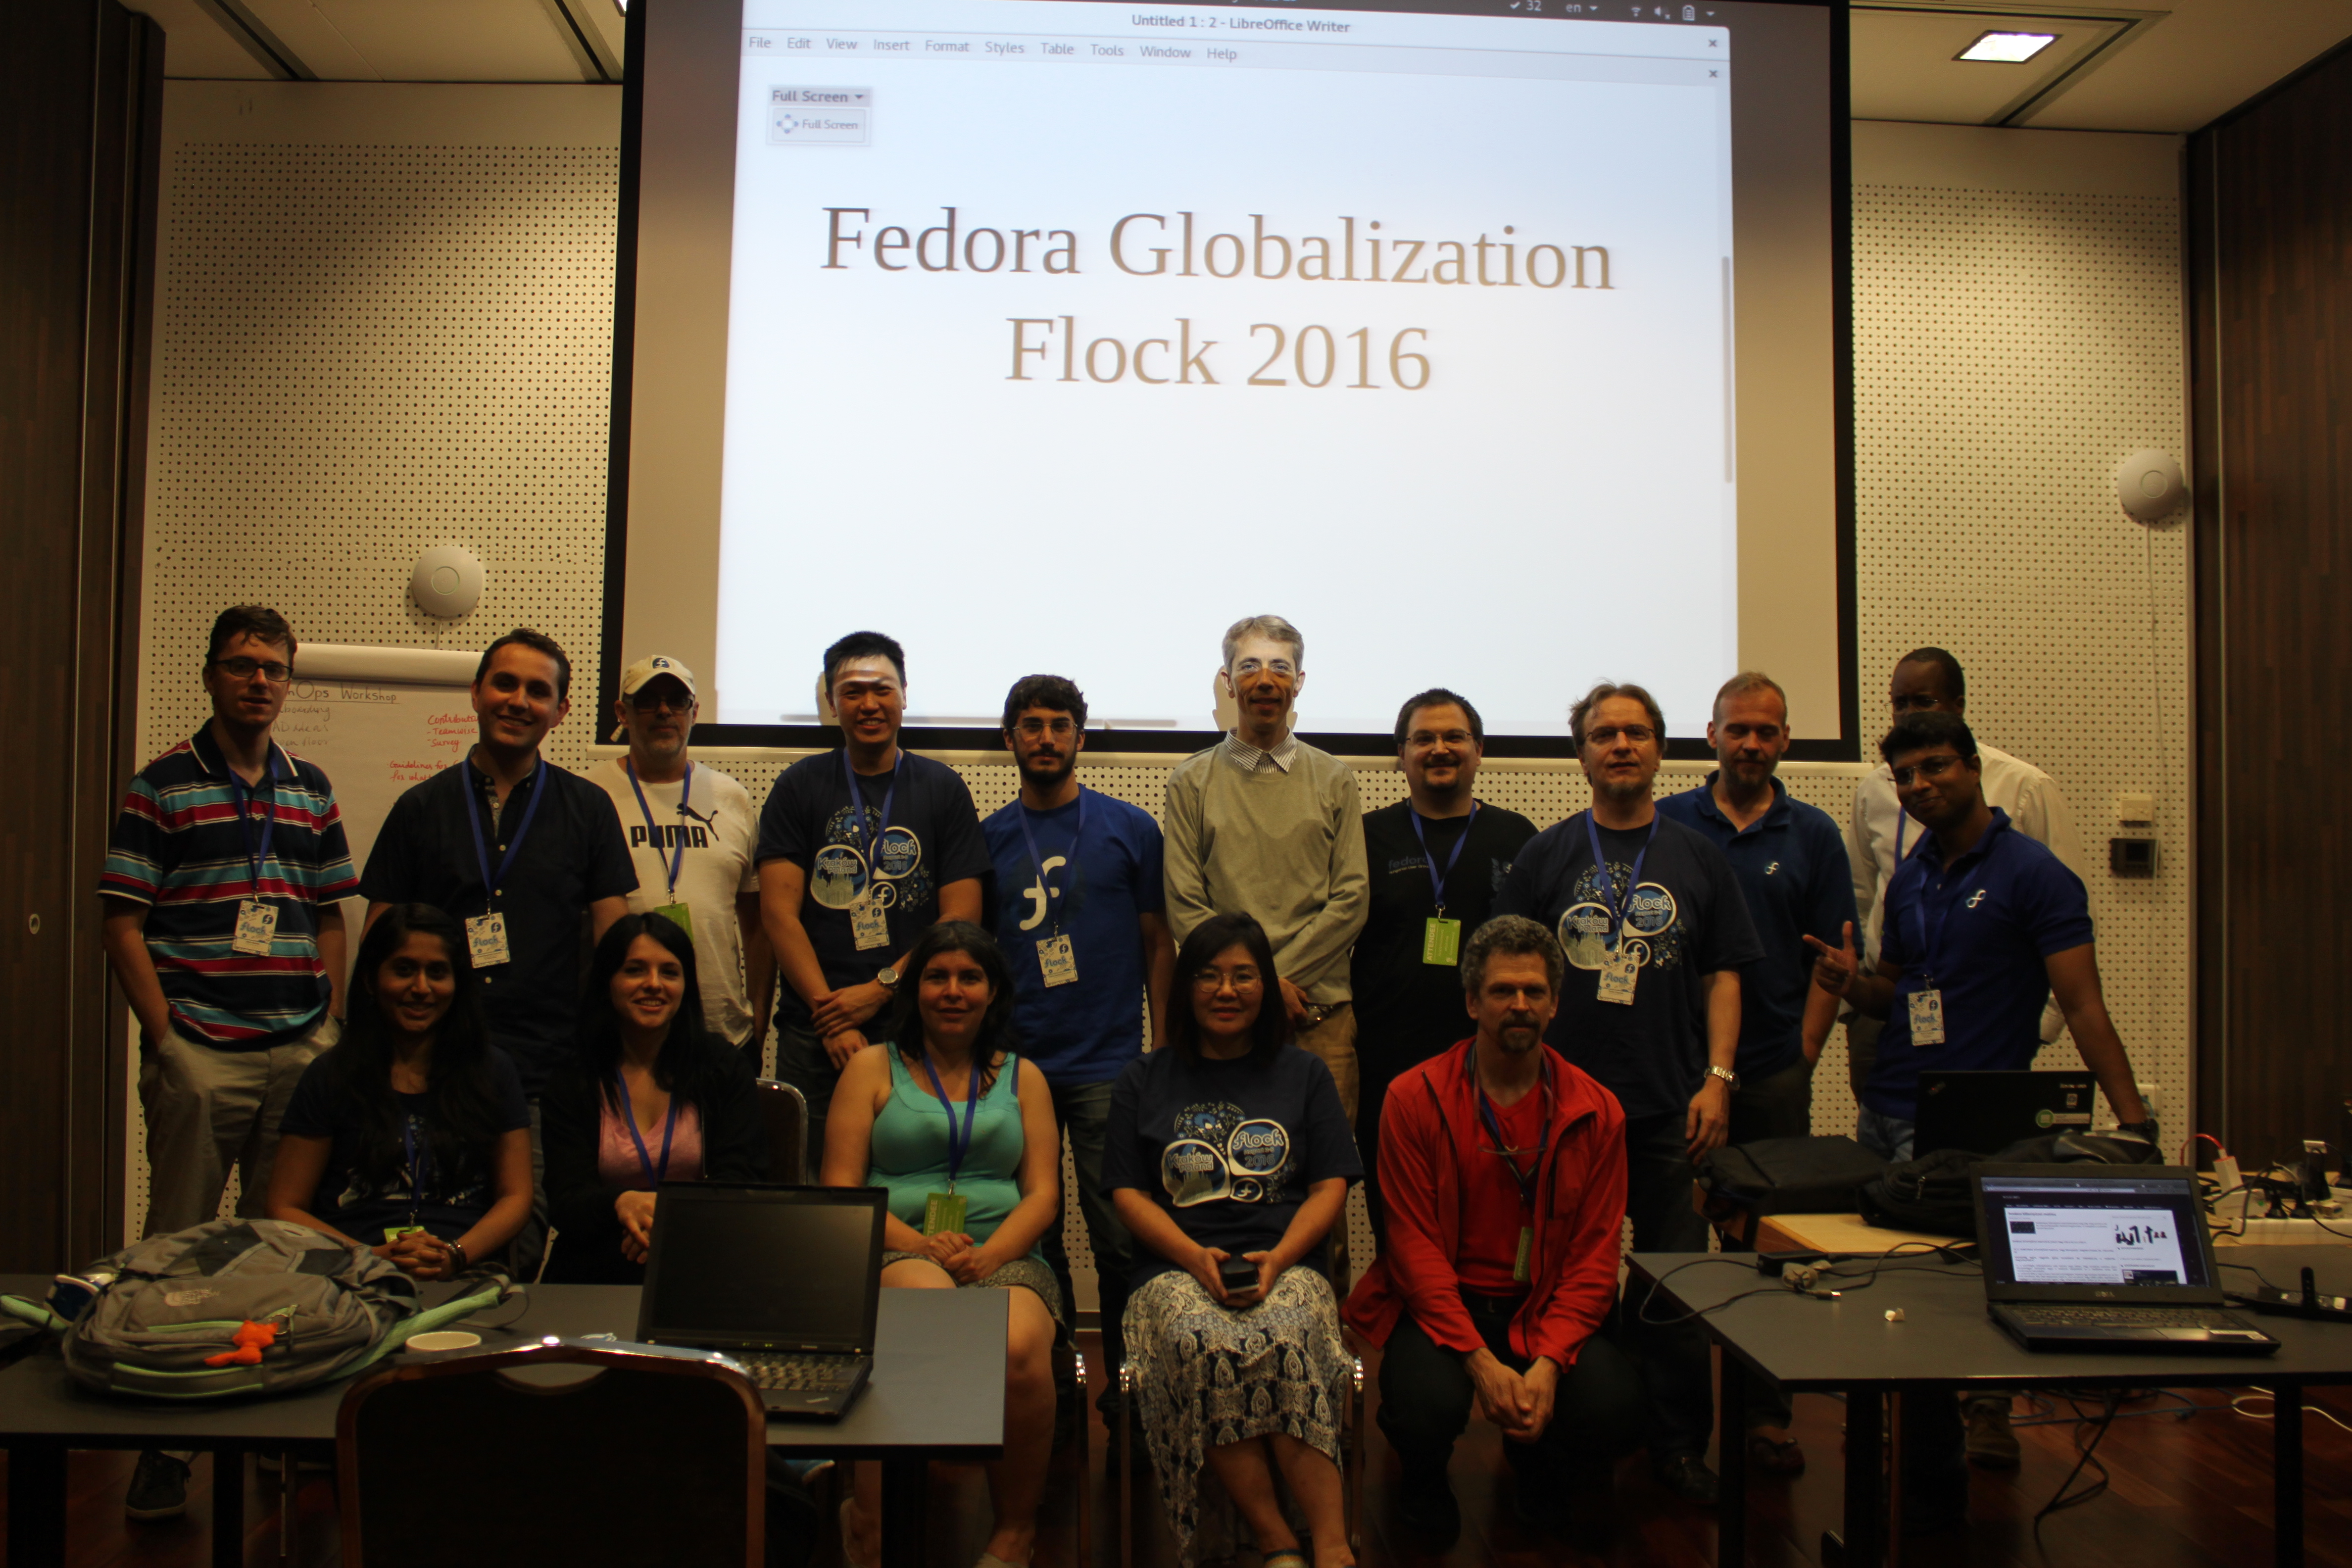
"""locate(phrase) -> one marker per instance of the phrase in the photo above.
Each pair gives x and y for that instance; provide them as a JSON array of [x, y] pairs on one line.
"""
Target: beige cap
[[645, 669]]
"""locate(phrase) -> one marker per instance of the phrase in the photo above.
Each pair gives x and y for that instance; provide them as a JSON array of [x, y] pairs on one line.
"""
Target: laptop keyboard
[[2126, 1318], [799, 1373]]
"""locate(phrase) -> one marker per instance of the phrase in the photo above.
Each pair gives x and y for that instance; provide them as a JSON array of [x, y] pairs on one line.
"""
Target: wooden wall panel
[[2270, 261]]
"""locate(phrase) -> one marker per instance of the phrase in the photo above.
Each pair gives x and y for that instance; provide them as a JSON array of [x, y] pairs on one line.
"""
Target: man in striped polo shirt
[[223, 930]]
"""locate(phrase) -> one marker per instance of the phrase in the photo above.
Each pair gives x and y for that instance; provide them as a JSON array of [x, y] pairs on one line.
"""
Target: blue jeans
[[1888, 1137], [800, 1061], [1082, 1113]]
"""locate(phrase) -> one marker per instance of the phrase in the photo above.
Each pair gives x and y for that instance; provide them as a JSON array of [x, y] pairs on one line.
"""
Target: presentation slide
[[1062, 335]]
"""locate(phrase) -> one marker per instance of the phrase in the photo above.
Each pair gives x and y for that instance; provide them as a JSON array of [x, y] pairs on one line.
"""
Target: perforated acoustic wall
[[384, 325]]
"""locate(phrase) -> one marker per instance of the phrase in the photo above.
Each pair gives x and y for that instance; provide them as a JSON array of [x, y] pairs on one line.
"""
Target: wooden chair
[[785, 1110], [478, 1460]]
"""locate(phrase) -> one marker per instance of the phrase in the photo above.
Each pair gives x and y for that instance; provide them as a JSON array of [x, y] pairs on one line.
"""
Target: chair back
[[620, 1457], [785, 1110]]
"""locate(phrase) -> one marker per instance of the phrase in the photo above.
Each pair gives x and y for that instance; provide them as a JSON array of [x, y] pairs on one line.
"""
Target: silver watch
[[1725, 1074], [887, 977]]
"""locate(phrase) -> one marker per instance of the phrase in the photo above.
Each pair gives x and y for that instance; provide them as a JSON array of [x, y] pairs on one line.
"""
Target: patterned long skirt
[[1211, 1377]]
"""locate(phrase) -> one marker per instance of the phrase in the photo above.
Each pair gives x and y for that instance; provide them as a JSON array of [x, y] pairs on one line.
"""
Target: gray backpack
[[243, 1307]]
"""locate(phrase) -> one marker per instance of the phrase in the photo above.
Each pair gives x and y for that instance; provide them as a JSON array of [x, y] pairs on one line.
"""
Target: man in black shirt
[[1436, 860], [520, 850], [1657, 931], [861, 851]]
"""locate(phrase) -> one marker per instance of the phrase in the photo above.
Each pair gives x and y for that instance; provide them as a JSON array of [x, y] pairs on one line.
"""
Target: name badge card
[[1926, 1017], [869, 924], [1058, 963], [256, 926], [1619, 971], [943, 1212], [1440, 940], [1526, 1252], [486, 940], [679, 916]]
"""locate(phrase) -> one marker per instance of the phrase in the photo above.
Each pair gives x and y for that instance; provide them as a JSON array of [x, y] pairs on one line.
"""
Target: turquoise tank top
[[910, 1153]]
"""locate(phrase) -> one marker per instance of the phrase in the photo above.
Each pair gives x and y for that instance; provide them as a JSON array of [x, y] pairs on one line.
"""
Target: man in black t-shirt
[[1436, 860], [861, 851], [1655, 930]]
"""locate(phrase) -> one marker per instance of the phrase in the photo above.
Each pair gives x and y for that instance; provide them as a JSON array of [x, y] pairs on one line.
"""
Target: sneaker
[[1992, 1444], [159, 1487], [1687, 1476], [1425, 1505]]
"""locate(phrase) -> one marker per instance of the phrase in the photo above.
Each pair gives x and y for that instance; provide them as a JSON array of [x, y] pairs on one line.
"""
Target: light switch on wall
[[2135, 807]]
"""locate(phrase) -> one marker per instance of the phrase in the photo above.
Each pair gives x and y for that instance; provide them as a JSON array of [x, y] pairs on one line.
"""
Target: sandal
[[1772, 1457]]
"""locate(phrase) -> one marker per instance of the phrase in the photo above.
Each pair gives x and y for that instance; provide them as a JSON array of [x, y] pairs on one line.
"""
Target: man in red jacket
[[1499, 1264]]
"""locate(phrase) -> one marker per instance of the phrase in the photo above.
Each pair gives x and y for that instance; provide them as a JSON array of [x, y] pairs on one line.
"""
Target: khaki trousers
[[208, 1109], [1333, 1042]]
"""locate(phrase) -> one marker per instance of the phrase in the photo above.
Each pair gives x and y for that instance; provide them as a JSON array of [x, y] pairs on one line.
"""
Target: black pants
[[1779, 1105], [1672, 1356], [1426, 1398]]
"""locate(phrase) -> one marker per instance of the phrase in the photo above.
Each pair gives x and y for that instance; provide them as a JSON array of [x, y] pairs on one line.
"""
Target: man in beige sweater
[[1263, 823]]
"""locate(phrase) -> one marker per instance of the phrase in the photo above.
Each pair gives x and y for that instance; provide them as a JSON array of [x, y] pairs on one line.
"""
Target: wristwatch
[[887, 977], [1727, 1075]]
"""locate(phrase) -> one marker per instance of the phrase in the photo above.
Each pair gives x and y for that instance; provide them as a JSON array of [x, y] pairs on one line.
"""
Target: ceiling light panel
[[2007, 48]]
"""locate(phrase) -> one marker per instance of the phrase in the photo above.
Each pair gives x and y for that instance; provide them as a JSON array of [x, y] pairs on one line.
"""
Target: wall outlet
[[2136, 808]]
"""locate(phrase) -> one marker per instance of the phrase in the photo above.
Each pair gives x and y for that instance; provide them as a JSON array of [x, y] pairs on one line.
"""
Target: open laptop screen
[[2142, 1230], [777, 1268]]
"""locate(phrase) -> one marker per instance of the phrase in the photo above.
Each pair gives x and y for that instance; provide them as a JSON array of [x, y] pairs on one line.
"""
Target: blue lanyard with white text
[[1609, 883], [1437, 879], [957, 1147], [1043, 890], [870, 842], [514, 845], [684, 794], [258, 857], [654, 1174]]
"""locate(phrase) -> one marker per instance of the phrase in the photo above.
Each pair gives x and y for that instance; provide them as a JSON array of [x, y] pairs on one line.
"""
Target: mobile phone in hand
[[1238, 1274]]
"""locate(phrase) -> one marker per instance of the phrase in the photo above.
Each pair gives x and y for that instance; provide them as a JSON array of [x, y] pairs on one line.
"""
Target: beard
[[1517, 1039], [1047, 773], [1622, 789]]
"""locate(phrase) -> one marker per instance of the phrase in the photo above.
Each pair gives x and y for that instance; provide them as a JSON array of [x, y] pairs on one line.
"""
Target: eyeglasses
[[242, 668], [1609, 735], [1032, 728], [1281, 666], [654, 703], [1456, 738], [1209, 982], [1932, 767]]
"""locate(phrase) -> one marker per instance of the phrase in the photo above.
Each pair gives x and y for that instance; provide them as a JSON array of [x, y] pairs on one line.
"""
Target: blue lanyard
[[514, 845], [684, 794], [1931, 939], [1526, 1179], [1437, 879], [654, 1174], [257, 857], [957, 1147], [415, 1169], [870, 841], [1609, 883], [1045, 890]]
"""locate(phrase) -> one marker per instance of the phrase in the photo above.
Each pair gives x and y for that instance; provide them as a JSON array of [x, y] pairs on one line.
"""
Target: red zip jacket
[[1429, 1125]]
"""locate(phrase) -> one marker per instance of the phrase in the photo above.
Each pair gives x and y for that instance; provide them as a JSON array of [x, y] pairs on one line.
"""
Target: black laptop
[[1986, 1112], [2084, 1258], [786, 1281]]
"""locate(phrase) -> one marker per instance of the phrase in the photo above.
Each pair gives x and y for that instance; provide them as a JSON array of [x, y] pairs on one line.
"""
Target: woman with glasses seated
[[1228, 1157], [656, 1098], [411, 1137], [961, 1130]]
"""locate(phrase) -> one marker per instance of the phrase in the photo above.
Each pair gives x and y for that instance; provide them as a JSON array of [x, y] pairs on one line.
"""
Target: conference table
[[1944, 1341], [936, 1392]]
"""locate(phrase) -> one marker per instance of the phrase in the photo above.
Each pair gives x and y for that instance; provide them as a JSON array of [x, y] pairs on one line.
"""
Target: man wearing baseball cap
[[690, 830]]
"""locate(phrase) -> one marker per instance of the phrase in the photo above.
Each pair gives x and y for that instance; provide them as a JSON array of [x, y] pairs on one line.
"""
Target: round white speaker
[[2149, 485], [447, 582]]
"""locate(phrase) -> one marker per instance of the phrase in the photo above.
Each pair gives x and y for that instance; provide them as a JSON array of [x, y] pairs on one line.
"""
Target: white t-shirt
[[718, 829]]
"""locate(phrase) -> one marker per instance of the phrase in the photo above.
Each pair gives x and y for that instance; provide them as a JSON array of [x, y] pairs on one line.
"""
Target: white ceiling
[[2163, 65]]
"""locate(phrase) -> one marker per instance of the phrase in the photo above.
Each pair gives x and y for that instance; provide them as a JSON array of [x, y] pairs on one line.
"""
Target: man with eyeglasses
[[1436, 860], [223, 929], [1981, 924], [1264, 825], [862, 849], [1498, 1266], [1656, 932], [692, 830], [1078, 914]]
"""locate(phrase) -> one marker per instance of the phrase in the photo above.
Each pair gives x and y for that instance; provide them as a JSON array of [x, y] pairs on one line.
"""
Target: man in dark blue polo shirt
[[1791, 861], [521, 851], [1656, 933], [1982, 924]]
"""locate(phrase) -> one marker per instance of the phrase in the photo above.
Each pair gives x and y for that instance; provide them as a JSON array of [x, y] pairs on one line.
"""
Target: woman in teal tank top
[[961, 1131]]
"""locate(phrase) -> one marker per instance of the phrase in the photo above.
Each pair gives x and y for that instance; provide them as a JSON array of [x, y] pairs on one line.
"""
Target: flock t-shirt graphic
[[1654, 933], [840, 876], [1220, 1153]]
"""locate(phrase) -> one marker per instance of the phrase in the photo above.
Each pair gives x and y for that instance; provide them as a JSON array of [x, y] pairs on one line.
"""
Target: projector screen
[[1497, 347]]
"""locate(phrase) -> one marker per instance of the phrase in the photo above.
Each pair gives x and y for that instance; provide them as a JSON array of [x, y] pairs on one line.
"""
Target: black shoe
[[1425, 1505], [159, 1487], [1687, 1476]]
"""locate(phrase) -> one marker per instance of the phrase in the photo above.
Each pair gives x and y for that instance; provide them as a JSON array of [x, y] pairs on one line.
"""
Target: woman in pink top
[[654, 1097]]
